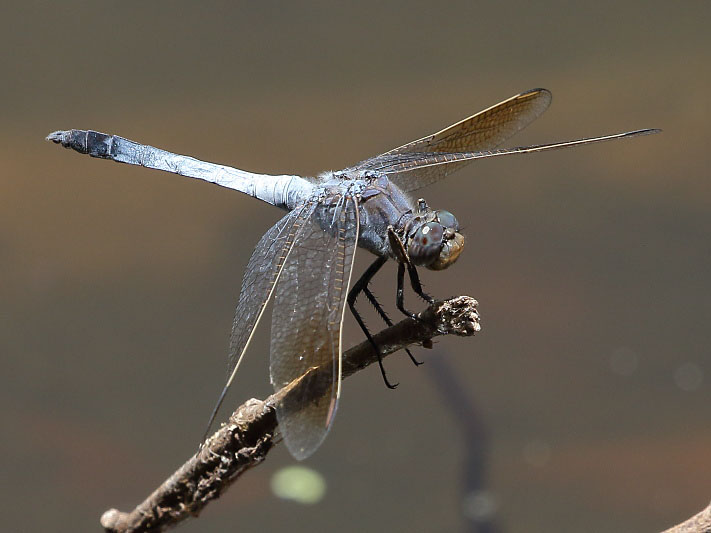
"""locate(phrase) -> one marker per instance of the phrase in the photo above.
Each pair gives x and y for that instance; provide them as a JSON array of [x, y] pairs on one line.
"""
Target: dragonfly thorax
[[433, 239]]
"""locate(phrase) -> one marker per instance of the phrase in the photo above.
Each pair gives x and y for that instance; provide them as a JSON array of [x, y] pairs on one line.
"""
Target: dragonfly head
[[436, 242]]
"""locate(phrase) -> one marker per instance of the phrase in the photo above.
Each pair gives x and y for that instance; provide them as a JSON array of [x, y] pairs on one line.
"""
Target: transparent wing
[[263, 271], [416, 163], [483, 131], [307, 321]]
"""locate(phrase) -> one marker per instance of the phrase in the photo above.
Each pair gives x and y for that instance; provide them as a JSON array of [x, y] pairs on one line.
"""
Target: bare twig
[[699, 523], [244, 441]]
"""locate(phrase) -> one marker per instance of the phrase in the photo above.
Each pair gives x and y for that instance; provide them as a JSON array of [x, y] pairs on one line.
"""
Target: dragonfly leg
[[403, 260], [360, 286], [375, 303], [415, 282], [400, 298]]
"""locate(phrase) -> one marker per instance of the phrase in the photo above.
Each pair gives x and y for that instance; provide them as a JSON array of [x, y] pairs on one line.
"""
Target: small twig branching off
[[244, 441]]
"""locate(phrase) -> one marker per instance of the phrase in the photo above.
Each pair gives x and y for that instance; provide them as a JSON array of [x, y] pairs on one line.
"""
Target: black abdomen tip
[[90, 142]]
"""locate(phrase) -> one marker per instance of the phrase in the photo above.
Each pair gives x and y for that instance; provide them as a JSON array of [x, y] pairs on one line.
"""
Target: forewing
[[307, 320], [483, 131], [399, 164], [263, 270]]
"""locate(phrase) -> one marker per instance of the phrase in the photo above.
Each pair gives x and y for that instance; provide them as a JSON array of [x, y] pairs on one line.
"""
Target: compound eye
[[447, 219], [426, 244]]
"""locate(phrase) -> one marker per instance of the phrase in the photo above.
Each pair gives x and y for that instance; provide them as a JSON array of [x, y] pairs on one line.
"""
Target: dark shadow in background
[[478, 505]]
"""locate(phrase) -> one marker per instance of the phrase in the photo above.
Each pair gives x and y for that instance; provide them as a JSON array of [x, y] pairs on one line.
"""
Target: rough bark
[[699, 523]]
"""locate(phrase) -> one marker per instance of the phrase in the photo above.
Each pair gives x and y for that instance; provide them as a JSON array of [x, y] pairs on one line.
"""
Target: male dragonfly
[[304, 262]]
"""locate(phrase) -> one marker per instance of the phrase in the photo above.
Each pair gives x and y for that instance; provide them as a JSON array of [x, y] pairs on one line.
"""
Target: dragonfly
[[304, 263]]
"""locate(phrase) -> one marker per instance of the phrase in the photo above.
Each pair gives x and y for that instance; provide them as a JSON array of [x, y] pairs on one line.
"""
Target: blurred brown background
[[593, 266]]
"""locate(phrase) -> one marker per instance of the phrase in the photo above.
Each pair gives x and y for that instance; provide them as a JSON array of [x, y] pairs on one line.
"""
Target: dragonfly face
[[434, 240]]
